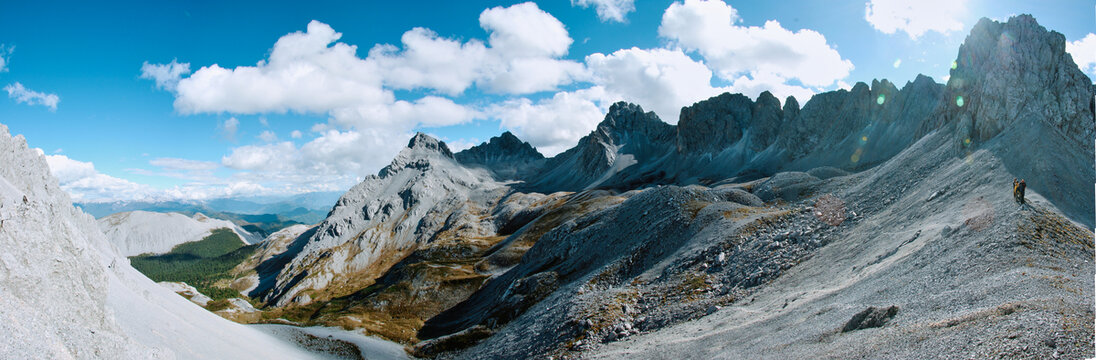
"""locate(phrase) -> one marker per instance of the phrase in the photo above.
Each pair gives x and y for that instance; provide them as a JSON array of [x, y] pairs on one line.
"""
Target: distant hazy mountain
[[308, 208]]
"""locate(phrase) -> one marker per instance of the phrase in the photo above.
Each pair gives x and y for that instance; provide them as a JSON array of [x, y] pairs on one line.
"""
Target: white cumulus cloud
[[915, 18], [336, 159], [305, 73], [554, 124], [84, 183], [229, 128], [428, 60], [771, 53], [525, 30], [5, 57], [22, 95], [521, 56], [1084, 53], [167, 75], [660, 80], [268, 136], [608, 10]]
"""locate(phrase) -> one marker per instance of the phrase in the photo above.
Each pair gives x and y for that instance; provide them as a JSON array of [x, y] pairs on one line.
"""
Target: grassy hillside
[[199, 263]]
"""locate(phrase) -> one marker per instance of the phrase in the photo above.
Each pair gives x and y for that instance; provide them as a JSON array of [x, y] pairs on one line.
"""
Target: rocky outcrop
[[858, 128], [505, 155], [872, 317]]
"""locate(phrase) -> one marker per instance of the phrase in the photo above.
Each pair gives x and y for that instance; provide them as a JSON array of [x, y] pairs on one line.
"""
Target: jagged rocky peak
[[921, 81], [624, 119], [418, 154], [791, 108], [883, 87], [714, 124], [766, 119], [505, 155], [425, 142], [502, 147], [383, 218], [996, 60]]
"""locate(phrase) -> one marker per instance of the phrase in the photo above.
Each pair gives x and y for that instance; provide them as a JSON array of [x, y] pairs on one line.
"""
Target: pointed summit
[[626, 117], [421, 152], [505, 155], [422, 141]]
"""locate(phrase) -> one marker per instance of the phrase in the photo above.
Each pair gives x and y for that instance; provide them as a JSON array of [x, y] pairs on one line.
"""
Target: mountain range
[[874, 222], [307, 208], [739, 196]]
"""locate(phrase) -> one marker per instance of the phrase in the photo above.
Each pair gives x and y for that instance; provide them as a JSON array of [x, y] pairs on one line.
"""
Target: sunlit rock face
[[1010, 73], [385, 217]]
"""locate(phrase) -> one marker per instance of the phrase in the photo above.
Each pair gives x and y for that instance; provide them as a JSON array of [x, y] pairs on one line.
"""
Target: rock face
[[51, 275], [713, 125], [729, 135], [65, 293], [142, 232], [1010, 74], [386, 217], [858, 128], [505, 155], [273, 253]]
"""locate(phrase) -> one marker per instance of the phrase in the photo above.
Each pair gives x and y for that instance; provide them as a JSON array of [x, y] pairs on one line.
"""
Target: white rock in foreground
[[66, 294]]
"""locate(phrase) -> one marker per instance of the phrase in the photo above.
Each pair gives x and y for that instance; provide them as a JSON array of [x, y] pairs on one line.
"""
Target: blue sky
[[91, 85]]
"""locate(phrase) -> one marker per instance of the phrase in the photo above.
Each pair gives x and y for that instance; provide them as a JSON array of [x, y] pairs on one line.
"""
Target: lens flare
[[959, 100], [954, 65], [856, 155], [881, 99]]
